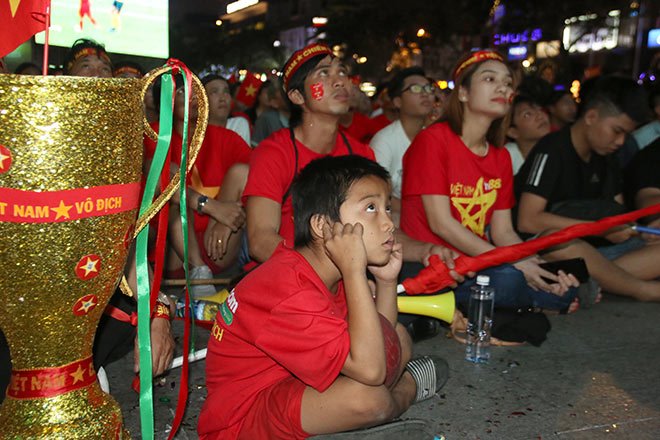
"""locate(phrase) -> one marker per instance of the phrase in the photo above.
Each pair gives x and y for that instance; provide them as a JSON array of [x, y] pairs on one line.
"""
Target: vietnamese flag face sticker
[[317, 91]]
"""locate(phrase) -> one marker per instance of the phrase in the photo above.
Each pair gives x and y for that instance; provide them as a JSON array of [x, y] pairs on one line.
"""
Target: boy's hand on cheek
[[390, 271], [344, 246]]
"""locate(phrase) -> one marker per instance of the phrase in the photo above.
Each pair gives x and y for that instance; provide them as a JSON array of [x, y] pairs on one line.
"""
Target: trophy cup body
[[70, 169]]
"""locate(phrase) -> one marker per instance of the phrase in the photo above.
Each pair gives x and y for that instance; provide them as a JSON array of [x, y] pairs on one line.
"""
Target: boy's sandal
[[430, 373]]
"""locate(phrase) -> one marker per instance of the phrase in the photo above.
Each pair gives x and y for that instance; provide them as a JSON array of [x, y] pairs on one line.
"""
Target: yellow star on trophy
[[78, 375], [3, 157], [87, 305], [89, 266], [62, 210], [250, 90]]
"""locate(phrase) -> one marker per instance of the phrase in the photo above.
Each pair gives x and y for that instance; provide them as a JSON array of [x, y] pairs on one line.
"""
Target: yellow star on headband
[[13, 5], [62, 210]]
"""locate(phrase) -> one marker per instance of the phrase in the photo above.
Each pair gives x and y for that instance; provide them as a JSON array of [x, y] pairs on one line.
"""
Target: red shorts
[[276, 413]]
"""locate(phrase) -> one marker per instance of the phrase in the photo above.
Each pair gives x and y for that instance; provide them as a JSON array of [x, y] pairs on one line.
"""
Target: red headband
[[477, 57], [128, 69], [87, 51], [300, 57]]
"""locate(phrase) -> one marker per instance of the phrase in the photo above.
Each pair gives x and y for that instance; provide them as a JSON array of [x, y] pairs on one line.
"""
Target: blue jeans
[[511, 289]]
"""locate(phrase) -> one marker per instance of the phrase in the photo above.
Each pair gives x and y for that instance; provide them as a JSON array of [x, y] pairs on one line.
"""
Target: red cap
[[300, 57]]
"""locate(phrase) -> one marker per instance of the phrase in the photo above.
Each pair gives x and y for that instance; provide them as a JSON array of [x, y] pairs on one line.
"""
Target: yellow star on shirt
[[78, 375], [89, 266], [13, 4], [250, 90], [3, 157], [62, 210]]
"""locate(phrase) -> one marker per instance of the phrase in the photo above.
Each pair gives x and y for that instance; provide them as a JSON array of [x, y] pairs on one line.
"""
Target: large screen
[[134, 27]]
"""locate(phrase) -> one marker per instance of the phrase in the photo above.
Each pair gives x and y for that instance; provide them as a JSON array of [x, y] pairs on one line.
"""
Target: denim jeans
[[511, 289]]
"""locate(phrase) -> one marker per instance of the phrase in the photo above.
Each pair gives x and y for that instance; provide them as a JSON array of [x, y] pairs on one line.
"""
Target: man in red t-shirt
[[316, 83], [301, 347], [215, 185]]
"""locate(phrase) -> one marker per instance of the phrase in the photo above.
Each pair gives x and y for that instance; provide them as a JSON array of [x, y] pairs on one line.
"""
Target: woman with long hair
[[458, 185]]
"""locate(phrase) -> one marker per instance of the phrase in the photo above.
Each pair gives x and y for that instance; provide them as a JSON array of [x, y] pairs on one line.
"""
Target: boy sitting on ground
[[301, 347]]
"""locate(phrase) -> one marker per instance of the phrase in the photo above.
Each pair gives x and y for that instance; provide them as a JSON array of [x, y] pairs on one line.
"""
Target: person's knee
[[372, 406]]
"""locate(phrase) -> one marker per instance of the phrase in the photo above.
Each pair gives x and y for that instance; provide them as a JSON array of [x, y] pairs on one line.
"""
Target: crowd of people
[[327, 201]]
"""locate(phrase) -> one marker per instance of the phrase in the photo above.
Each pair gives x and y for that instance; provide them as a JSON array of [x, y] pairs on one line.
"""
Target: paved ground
[[596, 376]]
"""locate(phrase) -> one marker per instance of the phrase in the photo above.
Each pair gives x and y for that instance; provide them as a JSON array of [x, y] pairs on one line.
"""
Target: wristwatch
[[201, 201]]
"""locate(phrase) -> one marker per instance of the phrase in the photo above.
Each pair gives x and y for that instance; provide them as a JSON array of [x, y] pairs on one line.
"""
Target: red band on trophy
[[18, 206], [51, 382], [88, 267], [5, 159], [85, 304]]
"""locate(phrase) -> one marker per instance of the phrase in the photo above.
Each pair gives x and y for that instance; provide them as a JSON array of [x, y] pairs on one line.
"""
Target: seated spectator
[[87, 58], [642, 183], [275, 117], [571, 176], [562, 109], [317, 354], [412, 94], [214, 187], [648, 133], [458, 186], [317, 89], [220, 102], [355, 123], [27, 69], [529, 123]]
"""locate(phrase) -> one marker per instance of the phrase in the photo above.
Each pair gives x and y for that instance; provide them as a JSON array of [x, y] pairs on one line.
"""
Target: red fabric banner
[[436, 276], [19, 206], [20, 20], [51, 382]]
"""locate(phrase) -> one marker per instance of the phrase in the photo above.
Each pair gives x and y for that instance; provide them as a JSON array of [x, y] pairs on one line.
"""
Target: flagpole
[[46, 41]]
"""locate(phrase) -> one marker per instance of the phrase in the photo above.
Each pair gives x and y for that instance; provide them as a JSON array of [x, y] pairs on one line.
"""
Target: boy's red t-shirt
[[280, 321], [439, 163], [273, 168], [221, 149]]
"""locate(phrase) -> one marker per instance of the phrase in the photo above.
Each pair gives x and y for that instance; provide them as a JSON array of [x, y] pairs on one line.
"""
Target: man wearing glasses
[[412, 94]]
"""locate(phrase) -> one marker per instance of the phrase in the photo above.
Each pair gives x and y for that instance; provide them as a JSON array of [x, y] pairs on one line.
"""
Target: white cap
[[483, 280]]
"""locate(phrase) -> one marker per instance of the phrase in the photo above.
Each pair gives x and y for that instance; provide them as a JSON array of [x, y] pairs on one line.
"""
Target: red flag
[[436, 276], [247, 92], [20, 20]]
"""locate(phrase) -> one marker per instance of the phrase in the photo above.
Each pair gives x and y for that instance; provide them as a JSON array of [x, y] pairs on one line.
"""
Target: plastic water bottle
[[480, 320], [202, 310]]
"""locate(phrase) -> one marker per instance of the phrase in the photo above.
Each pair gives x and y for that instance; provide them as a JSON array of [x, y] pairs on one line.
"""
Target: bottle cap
[[483, 280]]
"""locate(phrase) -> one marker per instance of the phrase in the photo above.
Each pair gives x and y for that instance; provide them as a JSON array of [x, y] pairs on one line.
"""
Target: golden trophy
[[70, 182]]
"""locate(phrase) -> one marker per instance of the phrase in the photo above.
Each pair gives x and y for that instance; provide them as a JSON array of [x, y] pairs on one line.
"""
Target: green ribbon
[[143, 282]]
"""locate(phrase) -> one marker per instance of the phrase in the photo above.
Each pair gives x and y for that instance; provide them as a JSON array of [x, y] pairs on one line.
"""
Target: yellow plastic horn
[[440, 306]]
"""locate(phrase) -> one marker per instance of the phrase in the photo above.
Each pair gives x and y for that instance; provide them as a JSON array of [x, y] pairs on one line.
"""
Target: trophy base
[[86, 413]]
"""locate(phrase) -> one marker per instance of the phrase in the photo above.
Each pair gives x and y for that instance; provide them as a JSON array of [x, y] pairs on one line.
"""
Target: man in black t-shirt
[[572, 176], [642, 182]]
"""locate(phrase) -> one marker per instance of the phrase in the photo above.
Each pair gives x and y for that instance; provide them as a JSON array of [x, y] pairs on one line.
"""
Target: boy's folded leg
[[430, 374]]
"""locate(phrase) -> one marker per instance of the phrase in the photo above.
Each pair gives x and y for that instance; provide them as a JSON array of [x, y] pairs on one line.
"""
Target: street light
[[421, 32], [218, 22]]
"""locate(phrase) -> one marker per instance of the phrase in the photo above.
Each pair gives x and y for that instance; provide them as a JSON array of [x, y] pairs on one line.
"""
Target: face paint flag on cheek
[[317, 91]]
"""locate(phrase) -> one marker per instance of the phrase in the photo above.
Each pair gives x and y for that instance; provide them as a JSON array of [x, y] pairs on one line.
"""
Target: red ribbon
[[436, 275]]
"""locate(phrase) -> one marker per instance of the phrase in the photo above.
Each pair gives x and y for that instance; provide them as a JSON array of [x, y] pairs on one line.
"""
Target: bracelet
[[161, 311], [201, 201]]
